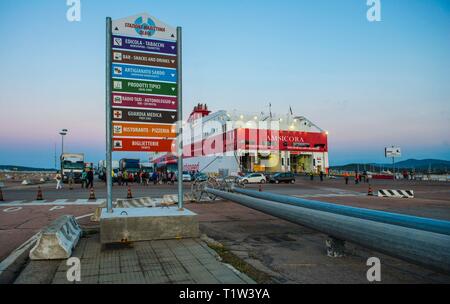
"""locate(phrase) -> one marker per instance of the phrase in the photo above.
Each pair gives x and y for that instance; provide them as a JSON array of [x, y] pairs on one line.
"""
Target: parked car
[[200, 177], [253, 178], [187, 177], [282, 178]]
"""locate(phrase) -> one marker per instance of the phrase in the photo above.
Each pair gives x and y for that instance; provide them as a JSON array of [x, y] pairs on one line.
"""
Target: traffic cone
[[1, 195], [129, 195], [370, 192], [39, 195], [92, 194]]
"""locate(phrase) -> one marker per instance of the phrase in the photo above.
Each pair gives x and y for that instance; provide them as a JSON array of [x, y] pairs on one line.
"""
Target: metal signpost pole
[[180, 121], [108, 117], [393, 167]]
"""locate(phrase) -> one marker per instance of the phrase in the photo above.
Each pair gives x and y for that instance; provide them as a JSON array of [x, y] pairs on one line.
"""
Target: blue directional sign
[[144, 73], [144, 45]]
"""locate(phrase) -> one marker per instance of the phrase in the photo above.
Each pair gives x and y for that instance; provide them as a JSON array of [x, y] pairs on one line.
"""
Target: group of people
[[321, 175], [123, 178], [359, 178], [87, 179]]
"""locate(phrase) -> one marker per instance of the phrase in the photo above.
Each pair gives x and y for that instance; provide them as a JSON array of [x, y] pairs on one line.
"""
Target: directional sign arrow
[[147, 116], [143, 73], [144, 87], [146, 59], [144, 45], [141, 145], [144, 101]]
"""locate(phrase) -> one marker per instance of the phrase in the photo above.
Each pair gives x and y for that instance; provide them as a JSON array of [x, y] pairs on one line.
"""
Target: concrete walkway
[[188, 261]]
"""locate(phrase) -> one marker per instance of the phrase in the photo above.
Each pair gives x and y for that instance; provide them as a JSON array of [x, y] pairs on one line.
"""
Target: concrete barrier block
[[147, 224], [57, 241]]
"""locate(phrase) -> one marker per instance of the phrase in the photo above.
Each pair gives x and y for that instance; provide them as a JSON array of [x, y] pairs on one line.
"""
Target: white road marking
[[17, 253], [84, 216], [12, 209], [56, 203], [56, 208], [60, 201], [17, 202]]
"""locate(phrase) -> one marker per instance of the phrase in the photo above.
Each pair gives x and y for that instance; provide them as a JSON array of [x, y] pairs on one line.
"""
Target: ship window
[[301, 145]]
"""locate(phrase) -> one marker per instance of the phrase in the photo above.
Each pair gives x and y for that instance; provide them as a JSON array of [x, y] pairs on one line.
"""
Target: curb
[[11, 266]]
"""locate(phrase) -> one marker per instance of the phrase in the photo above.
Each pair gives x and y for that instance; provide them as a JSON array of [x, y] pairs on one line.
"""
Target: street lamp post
[[62, 133]]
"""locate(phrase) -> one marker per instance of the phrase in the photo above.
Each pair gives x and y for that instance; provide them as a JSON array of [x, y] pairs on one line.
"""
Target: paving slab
[[149, 262]]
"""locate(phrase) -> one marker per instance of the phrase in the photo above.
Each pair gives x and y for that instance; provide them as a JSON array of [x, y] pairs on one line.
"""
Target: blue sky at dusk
[[370, 85]]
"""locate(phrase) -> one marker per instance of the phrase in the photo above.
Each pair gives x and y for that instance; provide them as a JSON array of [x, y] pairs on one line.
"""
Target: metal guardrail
[[425, 248], [421, 223]]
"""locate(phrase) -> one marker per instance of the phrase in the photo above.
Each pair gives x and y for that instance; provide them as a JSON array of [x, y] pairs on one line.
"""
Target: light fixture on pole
[[63, 133]]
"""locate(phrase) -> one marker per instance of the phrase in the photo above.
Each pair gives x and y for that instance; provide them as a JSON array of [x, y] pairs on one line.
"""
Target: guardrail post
[[335, 247]]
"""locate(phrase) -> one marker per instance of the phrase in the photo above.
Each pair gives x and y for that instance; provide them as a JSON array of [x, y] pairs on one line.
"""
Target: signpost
[[393, 152], [143, 90]]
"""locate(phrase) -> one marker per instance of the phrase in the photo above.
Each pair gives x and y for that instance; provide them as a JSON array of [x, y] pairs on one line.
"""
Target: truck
[[131, 165], [72, 162], [148, 167]]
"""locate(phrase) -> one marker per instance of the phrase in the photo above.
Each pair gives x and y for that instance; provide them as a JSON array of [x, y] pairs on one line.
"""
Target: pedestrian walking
[[346, 178], [84, 180], [71, 177], [356, 178], [113, 177], [125, 178], [321, 176], [58, 179], [155, 178], [311, 175], [120, 178], [90, 178], [172, 178], [131, 178]]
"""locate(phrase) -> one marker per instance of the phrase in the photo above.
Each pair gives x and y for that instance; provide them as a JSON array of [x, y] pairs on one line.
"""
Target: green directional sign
[[144, 87]]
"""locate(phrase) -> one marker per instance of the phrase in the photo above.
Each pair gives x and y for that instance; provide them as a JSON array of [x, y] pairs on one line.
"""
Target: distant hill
[[424, 165], [21, 168]]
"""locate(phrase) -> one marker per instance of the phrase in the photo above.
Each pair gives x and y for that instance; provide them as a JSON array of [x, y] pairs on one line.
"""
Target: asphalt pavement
[[290, 253]]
